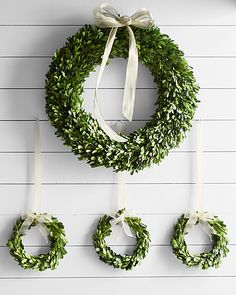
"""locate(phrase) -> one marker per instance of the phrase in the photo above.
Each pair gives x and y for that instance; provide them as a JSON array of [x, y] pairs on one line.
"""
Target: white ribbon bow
[[120, 219], [107, 17], [40, 219], [202, 217]]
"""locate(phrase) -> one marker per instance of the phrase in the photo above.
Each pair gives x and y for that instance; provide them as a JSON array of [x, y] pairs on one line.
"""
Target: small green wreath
[[205, 259], [107, 255], [175, 106], [56, 235]]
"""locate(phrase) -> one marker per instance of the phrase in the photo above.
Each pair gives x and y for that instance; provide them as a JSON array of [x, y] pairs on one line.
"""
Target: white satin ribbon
[[116, 218], [40, 219], [30, 217], [120, 220], [106, 16], [199, 216], [203, 219], [37, 167]]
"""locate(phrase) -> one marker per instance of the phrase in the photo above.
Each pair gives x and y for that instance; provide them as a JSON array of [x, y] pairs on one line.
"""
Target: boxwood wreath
[[175, 106], [205, 259], [107, 255], [41, 262]]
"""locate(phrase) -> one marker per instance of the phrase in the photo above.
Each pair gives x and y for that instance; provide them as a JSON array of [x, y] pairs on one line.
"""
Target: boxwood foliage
[[204, 260], [175, 105], [107, 255], [41, 262]]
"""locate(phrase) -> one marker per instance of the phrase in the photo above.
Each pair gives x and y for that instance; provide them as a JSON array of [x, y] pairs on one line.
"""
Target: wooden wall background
[[30, 31]]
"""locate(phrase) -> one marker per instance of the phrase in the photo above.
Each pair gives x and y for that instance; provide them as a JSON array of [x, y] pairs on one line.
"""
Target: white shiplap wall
[[30, 31]]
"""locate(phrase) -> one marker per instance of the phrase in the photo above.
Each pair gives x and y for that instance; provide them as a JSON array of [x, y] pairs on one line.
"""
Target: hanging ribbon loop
[[106, 16], [199, 216], [37, 167], [35, 216], [118, 218]]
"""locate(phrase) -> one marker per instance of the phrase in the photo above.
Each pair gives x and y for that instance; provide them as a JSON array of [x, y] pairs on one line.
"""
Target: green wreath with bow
[[216, 230], [104, 230], [87, 137], [51, 228]]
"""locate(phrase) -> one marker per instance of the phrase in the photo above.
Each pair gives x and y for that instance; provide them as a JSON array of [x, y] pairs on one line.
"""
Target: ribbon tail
[[127, 230], [23, 230], [131, 77], [44, 231], [25, 225], [114, 222], [207, 229], [188, 227], [105, 127], [190, 223], [102, 123]]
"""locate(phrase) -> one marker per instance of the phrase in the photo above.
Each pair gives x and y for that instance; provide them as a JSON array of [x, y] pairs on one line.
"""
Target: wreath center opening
[[34, 242], [197, 240]]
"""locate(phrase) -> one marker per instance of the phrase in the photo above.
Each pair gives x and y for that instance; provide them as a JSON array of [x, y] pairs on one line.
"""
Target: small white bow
[[120, 219], [40, 219], [203, 218], [106, 16]]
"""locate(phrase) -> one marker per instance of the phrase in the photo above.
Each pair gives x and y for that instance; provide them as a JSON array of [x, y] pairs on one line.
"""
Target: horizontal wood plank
[[70, 199], [30, 73], [64, 168], [44, 40], [184, 12], [84, 262], [138, 286]]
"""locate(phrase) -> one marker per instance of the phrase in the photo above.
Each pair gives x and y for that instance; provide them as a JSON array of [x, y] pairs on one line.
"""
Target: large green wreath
[[41, 262], [107, 255], [204, 260], [175, 106]]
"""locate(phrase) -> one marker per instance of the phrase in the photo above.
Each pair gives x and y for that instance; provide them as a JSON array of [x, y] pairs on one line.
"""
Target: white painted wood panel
[[30, 31]]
